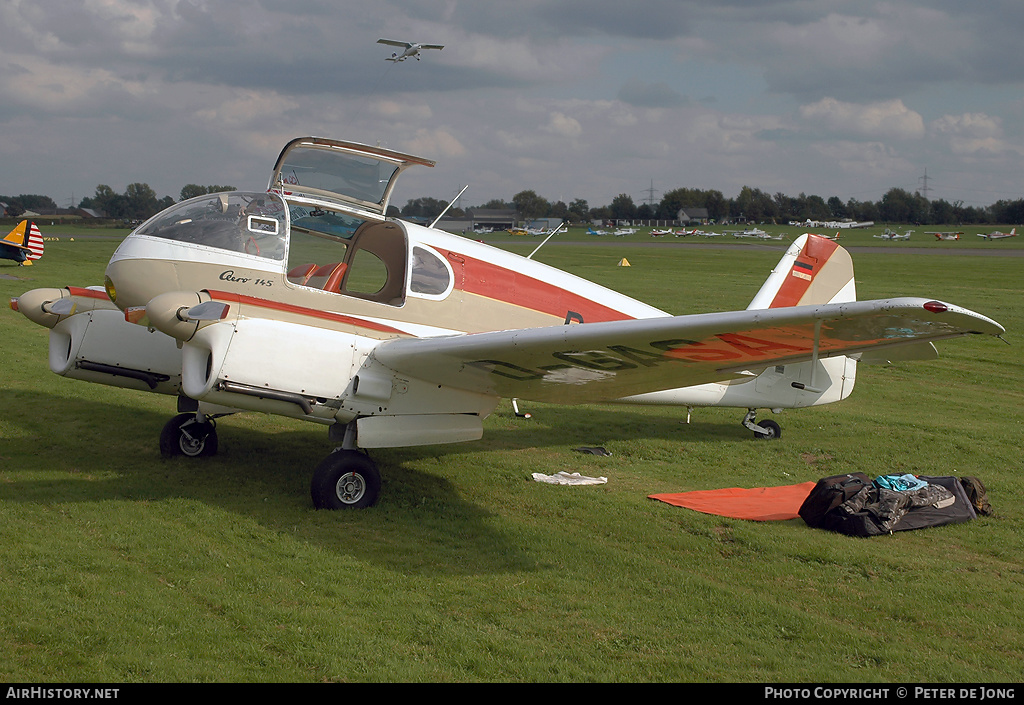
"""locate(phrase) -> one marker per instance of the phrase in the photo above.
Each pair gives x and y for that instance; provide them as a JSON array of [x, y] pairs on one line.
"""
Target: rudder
[[814, 270]]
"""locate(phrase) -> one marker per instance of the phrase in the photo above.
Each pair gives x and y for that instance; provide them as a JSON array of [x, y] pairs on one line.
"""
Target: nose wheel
[[186, 435], [346, 479]]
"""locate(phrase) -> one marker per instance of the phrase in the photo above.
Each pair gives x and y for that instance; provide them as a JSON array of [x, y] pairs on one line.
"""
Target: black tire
[[774, 431], [182, 435], [346, 479]]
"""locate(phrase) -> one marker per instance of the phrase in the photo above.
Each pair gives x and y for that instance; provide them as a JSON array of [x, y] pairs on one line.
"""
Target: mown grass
[[118, 565]]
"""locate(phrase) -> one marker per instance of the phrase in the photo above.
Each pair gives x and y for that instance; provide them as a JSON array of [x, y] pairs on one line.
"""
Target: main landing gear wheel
[[184, 435], [346, 479]]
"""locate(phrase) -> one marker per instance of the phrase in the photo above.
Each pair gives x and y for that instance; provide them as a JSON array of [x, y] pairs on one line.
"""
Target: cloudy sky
[[571, 98]]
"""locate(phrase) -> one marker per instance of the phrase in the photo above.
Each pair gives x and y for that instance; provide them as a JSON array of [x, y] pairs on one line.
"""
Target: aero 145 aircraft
[[306, 301]]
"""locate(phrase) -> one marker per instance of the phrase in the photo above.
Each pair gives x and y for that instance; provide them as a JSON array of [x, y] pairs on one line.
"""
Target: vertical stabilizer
[[34, 242], [814, 270], [27, 238]]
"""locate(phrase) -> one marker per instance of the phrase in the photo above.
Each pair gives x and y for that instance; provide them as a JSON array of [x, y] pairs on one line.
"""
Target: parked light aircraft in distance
[[409, 49], [546, 231], [24, 244], [833, 224], [307, 301], [833, 238], [997, 235], [945, 235], [893, 235]]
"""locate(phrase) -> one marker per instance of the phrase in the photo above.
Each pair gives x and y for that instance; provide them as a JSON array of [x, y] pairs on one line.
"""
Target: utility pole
[[924, 186], [650, 194]]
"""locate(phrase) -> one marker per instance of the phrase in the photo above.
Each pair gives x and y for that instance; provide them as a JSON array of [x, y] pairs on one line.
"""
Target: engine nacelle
[[265, 365], [100, 346], [328, 376]]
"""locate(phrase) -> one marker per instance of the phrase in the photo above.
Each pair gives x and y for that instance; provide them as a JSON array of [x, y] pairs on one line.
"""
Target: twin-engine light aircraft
[[306, 301]]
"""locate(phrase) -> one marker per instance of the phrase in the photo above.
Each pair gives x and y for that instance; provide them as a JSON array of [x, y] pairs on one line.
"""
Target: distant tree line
[[139, 201], [752, 205]]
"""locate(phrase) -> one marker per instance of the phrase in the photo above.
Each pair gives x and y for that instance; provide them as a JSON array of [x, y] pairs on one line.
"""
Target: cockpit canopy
[[254, 223], [355, 174], [322, 223]]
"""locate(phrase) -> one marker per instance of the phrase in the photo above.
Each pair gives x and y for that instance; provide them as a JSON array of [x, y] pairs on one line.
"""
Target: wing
[[431, 46], [394, 43], [609, 360]]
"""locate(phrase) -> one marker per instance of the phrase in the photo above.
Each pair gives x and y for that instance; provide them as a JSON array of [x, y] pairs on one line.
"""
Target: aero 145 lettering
[[307, 301]]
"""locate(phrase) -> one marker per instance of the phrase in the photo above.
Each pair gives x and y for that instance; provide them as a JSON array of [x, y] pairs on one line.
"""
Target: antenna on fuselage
[[553, 231], [452, 203]]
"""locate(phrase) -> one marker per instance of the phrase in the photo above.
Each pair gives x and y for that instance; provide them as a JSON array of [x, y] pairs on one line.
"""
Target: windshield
[[254, 223]]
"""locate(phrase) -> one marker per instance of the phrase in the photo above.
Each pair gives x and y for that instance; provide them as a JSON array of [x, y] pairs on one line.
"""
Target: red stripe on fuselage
[[303, 311], [508, 286]]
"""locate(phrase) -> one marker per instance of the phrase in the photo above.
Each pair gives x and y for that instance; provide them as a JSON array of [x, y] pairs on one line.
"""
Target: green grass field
[[117, 565]]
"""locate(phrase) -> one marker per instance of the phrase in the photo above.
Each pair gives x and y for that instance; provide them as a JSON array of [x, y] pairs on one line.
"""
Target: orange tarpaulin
[[757, 504]]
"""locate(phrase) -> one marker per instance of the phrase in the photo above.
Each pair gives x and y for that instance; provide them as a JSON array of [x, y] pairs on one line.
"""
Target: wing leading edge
[[610, 360]]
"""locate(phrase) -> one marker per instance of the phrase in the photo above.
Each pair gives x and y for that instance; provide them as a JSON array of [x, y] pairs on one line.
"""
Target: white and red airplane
[[409, 49], [306, 301], [997, 235], [946, 235]]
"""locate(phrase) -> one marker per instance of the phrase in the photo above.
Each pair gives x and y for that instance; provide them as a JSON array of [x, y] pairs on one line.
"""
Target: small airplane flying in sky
[[24, 244], [307, 301], [997, 235], [945, 235], [409, 49]]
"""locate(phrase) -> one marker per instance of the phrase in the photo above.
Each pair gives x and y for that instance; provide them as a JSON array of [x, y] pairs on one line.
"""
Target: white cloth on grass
[[564, 478]]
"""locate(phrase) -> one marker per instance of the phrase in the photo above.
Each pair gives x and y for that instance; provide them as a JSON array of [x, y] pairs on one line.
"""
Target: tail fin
[[814, 270], [27, 237]]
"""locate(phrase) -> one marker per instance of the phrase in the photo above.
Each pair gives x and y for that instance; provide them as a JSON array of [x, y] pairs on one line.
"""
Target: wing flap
[[609, 360]]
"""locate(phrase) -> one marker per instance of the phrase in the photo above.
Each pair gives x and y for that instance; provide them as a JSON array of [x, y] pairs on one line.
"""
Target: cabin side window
[[431, 277]]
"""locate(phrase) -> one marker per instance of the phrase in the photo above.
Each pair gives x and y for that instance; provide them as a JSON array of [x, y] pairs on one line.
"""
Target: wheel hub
[[350, 487], [191, 445]]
